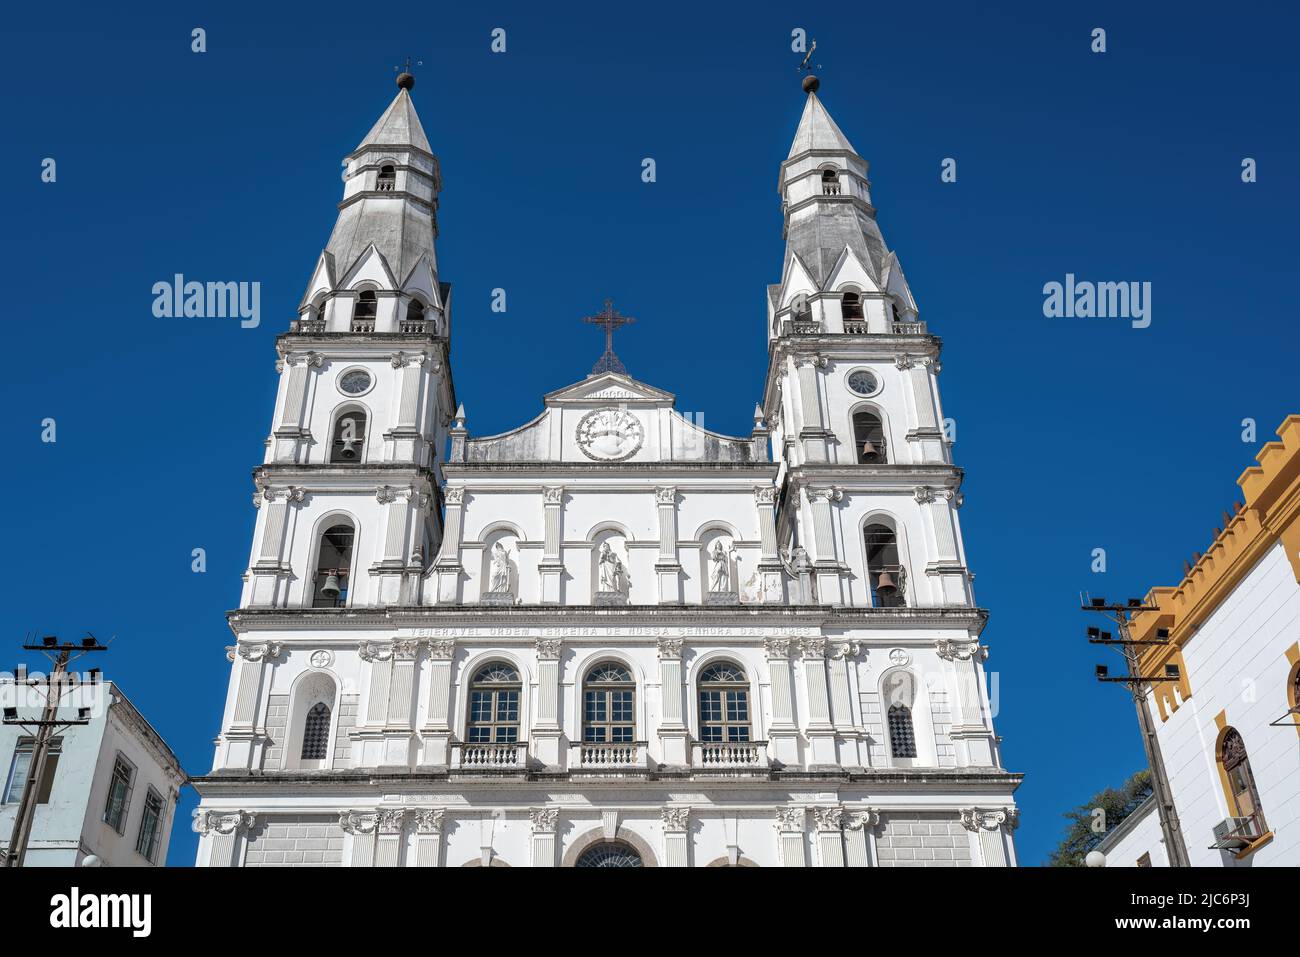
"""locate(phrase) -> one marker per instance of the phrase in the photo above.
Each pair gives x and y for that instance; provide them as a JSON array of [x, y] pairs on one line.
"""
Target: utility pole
[[44, 730], [1137, 684]]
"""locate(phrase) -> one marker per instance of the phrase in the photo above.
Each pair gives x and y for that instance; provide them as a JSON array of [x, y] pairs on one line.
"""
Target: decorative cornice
[[224, 822], [374, 651], [544, 819], [975, 819], [669, 647], [255, 651], [828, 818], [392, 819], [790, 818], [428, 820], [358, 822], [675, 818], [953, 650]]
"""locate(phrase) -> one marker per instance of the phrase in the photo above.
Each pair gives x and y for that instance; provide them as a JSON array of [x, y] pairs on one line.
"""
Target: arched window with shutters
[[609, 705], [724, 703], [316, 733], [1243, 796], [494, 705], [349, 444], [898, 694], [333, 566], [363, 315], [869, 438], [386, 182], [885, 574]]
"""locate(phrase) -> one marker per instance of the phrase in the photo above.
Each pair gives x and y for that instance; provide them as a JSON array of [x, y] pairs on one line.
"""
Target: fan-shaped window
[[902, 738], [851, 305], [884, 573], [830, 182], [1243, 796], [724, 703], [333, 567], [609, 854], [387, 180], [363, 316], [869, 438], [494, 705], [349, 437], [316, 732], [608, 705]]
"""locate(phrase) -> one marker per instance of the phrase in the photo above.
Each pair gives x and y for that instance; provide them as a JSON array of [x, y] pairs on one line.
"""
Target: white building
[[1227, 728], [109, 789], [607, 637]]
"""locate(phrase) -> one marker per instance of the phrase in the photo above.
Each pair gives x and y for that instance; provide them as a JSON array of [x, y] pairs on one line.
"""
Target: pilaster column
[[225, 833], [927, 438], [401, 716], [790, 836], [388, 851], [860, 837], [546, 732], [972, 731], [673, 734], [405, 437], [428, 836], [668, 566], [291, 437], [250, 657], [821, 733], [448, 561], [783, 735], [436, 737], [271, 572], [390, 571], [993, 829], [551, 566], [813, 434], [826, 564], [380, 658], [946, 566], [676, 825], [362, 827], [544, 820], [830, 836], [838, 654], [771, 581]]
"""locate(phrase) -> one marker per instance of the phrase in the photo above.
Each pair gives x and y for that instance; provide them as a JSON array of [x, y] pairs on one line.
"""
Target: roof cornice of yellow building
[[1271, 514]]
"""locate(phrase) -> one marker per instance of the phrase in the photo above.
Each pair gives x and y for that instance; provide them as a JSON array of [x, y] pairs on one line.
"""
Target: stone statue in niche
[[612, 578], [719, 590], [720, 568], [500, 568]]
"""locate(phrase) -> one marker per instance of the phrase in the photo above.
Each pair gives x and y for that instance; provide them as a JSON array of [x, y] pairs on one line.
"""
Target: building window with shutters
[[147, 841], [21, 767], [119, 794]]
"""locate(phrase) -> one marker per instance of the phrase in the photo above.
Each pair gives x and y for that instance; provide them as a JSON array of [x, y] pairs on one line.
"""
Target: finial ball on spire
[[811, 83], [405, 81]]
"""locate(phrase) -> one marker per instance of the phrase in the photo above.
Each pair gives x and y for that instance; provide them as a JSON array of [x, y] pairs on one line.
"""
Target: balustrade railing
[[469, 756], [729, 754]]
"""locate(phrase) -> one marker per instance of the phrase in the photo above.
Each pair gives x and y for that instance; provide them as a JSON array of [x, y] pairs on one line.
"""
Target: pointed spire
[[817, 131], [400, 124]]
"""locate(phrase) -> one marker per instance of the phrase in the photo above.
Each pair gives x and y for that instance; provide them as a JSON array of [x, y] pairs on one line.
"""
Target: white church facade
[[607, 637]]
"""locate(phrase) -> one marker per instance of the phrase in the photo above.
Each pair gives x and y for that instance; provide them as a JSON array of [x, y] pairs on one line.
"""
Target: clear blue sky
[[1076, 434]]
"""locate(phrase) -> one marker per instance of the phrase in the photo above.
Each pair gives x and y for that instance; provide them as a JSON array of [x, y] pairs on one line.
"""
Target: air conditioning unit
[[1234, 833]]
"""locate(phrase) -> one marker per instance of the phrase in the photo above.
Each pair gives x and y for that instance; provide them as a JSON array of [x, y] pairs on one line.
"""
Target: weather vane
[[407, 68], [806, 62], [611, 319]]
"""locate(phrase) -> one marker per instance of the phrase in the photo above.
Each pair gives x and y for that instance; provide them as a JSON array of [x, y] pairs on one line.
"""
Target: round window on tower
[[355, 382], [863, 382]]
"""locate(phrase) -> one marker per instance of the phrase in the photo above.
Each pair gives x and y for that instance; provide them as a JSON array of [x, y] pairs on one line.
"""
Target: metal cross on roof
[[611, 319]]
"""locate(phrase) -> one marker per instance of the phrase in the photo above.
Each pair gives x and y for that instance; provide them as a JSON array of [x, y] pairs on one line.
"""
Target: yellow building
[[1228, 727]]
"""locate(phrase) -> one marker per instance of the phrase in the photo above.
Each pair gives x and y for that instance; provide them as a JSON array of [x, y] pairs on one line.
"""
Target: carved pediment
[[609, 387]]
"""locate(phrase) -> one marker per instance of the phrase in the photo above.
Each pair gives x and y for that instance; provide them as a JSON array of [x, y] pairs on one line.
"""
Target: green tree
[[1117, 803]]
